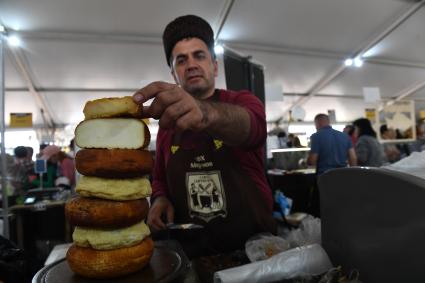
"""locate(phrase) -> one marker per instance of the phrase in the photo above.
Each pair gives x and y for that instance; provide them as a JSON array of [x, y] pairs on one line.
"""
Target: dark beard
[[197, 92]]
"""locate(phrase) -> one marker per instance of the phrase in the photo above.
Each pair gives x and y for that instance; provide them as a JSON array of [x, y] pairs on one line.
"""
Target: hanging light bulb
[[358, 62], [218, 49], [14, 41], [348, 62]]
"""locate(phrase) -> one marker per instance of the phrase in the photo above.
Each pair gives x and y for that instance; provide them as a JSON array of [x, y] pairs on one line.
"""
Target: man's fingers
[[160, 207], [150, 91], [172, 113], [143, 112], [164, 103], [170, 214], [191, 120], [156, 223]]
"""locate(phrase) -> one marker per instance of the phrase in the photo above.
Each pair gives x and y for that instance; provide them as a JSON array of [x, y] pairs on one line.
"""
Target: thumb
[[170, 214], [144, 112]]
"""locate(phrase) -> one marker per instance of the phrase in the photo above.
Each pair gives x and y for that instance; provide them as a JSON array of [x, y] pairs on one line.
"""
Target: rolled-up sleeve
[[255, 108]]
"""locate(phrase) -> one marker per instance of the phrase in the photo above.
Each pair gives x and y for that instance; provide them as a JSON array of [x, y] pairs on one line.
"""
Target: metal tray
[[167, 263]]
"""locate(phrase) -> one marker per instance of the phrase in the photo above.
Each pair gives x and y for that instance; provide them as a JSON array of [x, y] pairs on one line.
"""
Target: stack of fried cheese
[[111, 238]]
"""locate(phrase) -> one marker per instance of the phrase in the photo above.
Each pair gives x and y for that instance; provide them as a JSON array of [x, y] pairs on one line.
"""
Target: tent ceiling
[[407, 43], [104, 16], [390, 79], [79, 50], [328, 25]]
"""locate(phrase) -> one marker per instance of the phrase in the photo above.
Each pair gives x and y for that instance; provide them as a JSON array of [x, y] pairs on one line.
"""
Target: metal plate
[[168, 262]]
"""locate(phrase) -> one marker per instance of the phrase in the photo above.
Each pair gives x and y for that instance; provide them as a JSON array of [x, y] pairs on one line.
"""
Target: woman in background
[[66, 167], [368, 150], [65, 163]]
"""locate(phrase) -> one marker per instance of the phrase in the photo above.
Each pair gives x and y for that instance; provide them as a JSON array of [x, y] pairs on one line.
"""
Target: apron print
[[205, 195]]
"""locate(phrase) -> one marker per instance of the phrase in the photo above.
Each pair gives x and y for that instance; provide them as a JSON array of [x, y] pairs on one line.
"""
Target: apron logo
[[201, 163], [174, 148], [218, 144], [200, 158], [205, 195]]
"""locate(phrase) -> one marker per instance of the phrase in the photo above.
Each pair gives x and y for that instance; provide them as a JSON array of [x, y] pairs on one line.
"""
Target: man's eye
[[180, 61], [200, 55]]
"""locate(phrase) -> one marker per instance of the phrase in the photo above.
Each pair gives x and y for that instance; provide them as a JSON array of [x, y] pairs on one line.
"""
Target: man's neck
[[208, 94], [324, 126]]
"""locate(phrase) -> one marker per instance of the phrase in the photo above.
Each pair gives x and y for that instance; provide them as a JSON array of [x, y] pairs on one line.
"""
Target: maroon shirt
[[250, 154]]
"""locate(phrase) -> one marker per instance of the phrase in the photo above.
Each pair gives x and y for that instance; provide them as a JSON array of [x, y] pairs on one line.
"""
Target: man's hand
[[352, 157], [161, 206], [173, 106], [312, 159]]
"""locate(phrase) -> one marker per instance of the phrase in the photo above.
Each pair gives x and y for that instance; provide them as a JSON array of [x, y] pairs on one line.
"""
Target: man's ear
[[215, 68]]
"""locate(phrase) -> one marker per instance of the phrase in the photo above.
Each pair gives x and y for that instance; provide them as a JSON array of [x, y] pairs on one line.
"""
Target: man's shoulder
[[330, 132], [323, 132], [366, 139], [341, 135], [229, 92]]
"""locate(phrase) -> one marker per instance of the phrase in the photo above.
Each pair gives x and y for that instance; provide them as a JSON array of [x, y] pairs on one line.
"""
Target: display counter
[[43, 219], [37, 228], [168, 264]]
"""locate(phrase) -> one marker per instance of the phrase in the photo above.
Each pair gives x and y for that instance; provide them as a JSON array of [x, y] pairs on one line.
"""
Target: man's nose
[[191, 62]]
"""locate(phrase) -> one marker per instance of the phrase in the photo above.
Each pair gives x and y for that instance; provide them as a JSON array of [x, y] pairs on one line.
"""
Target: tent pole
[[5, 209]]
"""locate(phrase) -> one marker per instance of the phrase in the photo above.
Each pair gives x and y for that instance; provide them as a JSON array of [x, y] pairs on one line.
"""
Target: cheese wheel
[[108, 239], [114, 163], [112, 133], [114, 189], [100, 213], [93, 263], [112, 107]]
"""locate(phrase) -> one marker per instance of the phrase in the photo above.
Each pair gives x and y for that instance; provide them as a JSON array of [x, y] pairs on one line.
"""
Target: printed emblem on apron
[[205, 195]]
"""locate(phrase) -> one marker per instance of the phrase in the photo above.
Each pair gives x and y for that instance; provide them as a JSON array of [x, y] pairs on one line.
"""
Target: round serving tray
[[168, 262]]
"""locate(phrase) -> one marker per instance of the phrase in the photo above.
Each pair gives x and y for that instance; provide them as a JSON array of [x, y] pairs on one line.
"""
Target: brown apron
[[208, 186]]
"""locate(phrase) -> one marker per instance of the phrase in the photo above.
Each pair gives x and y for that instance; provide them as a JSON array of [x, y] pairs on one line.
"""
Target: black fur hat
[[186, 27]]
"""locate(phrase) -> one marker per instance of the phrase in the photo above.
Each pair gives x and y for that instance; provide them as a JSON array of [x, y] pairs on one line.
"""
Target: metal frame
[[5, 210]]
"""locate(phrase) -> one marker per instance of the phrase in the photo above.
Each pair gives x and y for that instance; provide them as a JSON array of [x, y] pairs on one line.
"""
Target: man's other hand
[[161, 206]]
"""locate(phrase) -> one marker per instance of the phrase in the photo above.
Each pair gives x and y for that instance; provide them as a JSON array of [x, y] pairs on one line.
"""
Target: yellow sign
[[21, 120], [422, 114], [371, 114]]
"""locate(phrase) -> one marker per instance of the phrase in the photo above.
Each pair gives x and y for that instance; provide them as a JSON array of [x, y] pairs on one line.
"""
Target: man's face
[[317, 124], [356, 131], [193, 67]]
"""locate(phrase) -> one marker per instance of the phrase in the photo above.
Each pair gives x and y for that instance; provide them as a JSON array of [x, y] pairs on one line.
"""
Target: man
[[18, 172], [330, 148], [29, 164], [392, 153], [209, 153]]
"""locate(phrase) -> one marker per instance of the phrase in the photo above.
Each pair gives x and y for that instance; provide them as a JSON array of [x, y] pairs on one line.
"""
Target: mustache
[[194, 73]]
